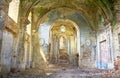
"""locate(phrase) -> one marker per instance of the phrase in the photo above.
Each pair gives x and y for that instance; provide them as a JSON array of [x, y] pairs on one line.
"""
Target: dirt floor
[[65, 71]]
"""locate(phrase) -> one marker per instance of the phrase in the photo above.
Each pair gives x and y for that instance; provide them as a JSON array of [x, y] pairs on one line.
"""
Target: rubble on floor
[[55, 71]]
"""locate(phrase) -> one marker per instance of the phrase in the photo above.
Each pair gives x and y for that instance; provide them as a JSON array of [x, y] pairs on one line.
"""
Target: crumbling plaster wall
[[37, 59], [7, 49], [116, 31], [109, 33], [116, 48], [3, 17], [9, 46], [8, 39], [105, 55]]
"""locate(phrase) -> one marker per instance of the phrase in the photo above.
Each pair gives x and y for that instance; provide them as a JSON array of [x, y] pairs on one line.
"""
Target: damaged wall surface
[[91, 38]]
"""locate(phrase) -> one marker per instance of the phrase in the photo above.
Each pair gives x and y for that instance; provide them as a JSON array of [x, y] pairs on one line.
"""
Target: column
[[23, 23]]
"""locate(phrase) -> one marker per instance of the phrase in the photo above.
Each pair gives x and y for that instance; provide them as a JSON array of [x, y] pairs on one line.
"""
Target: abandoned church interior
[[59, 38]]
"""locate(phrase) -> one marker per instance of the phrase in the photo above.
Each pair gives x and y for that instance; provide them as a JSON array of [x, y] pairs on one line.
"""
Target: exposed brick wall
[[117, 63]]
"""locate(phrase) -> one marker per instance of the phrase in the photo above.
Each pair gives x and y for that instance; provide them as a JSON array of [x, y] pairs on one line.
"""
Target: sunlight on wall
[[13, 10], [29, 25], [43, 55]]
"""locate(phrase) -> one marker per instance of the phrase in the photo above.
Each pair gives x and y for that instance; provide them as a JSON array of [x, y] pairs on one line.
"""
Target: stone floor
[[65, 71]]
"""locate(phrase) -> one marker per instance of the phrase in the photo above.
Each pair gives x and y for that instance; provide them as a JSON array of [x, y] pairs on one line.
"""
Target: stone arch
[[76, 26], [77, 37]]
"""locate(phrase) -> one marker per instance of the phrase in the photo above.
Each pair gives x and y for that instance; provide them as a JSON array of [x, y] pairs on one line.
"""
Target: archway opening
[[64, 42]]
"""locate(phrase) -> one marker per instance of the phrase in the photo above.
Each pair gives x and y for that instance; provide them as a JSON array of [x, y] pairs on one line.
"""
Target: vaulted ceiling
[[92, 10]]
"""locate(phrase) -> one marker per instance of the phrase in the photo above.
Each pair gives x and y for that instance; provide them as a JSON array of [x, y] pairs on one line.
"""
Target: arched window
[[13, 10], [62, 28]]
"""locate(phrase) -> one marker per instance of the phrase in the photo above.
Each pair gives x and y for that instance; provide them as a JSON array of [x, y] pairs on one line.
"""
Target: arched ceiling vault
[[91, 9], [65, 11]]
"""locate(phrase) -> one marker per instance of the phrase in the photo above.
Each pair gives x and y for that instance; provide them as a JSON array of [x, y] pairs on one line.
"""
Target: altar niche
[[63, 40]]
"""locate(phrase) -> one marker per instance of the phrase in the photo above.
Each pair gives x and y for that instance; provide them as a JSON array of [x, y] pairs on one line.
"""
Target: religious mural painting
[[103, 54]]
